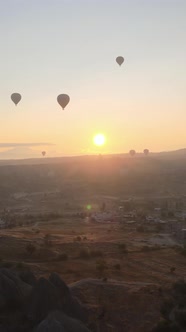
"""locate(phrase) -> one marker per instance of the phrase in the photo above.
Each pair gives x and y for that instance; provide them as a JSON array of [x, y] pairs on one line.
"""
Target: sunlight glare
[[99, 139]]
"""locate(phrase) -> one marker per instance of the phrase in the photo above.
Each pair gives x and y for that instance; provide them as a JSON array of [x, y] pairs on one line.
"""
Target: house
[[103, 217]]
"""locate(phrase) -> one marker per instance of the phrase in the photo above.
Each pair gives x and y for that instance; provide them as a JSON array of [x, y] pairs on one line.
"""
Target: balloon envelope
[[132, 153], [16, 97], [146, 152], [119, 60], [43, 153], [63, 100]]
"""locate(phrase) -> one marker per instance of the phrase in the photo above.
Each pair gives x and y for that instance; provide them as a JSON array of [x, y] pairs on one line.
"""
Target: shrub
[[30, 248], [101, 266], [122, 247], [47, 240], [172, 269], [117, 267], [96, 253], [62, 257], [146, 248], [77, 239], [20, 265], [84, 253], [140, 229]]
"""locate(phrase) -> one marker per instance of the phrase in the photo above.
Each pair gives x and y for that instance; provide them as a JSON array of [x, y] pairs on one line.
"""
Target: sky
[[49, 47]]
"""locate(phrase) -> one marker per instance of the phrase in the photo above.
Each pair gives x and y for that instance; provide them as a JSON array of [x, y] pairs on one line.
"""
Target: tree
[[30, 248]]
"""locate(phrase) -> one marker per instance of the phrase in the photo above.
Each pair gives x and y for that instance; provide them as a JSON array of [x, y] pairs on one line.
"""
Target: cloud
[[14, 145]]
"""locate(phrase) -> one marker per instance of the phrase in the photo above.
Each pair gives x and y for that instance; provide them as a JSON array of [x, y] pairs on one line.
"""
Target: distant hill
[[15, 156]]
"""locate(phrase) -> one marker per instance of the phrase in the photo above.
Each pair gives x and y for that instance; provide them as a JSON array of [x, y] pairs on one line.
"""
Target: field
[[110, 266], [132, 273]]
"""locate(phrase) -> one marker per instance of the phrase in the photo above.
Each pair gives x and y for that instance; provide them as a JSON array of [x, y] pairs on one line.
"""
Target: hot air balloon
[[146, 152], [132, 153], [63, 100], [119, 60], [16, 97], [43, 153]]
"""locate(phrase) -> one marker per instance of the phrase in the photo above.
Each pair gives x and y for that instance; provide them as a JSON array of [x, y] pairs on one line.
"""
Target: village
[[165, 215]]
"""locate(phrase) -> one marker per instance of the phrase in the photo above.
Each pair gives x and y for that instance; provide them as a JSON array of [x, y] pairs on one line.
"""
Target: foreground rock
[[13, 291], [59, 322], [69, 304], [43, 305]]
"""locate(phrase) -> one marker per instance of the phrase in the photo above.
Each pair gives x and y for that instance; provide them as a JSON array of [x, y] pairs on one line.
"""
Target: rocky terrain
[[27, 304]]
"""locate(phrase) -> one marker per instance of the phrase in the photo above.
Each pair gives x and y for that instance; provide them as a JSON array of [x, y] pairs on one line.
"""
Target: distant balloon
[[119, 60], [132, 153], [43, 153], [63, 100], [16, 97], [146, 152]]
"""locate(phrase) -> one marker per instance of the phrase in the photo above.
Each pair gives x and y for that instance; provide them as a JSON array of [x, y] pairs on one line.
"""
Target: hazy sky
[[50, 47]]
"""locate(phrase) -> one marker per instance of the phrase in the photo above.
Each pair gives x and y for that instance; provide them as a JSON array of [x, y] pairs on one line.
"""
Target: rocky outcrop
[[59, 322], [13, 291], [28, 277], [44, 305], [42, 300], [69, 304]]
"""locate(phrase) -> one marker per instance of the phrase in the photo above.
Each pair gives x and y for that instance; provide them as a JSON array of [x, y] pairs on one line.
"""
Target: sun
[[99, 139]]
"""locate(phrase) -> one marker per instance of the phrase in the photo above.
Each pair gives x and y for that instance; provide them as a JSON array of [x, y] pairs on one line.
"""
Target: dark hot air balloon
[[119, 60], [132, 153], [146, 152], [63, 100], [16, 97], [43, 153]]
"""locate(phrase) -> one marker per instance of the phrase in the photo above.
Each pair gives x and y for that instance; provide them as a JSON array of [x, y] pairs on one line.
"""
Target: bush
[[122, 247], [140, 229], [101, 266], [172, 269], [96, 253], [146, 248], [30, 248], [47, 240], [84, 253], [117, 267], [77, 239], [20, 265], [62, 257]]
